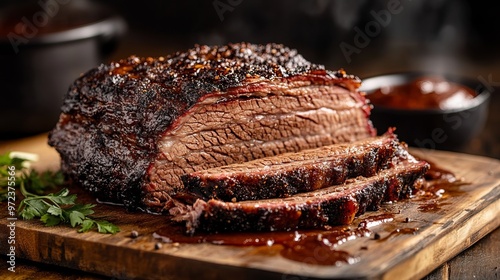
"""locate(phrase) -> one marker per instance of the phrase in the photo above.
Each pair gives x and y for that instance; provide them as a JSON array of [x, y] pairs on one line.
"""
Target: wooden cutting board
[[455, 223]]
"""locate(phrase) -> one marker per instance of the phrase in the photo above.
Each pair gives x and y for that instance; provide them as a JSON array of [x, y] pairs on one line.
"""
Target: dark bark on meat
[[336, 205]]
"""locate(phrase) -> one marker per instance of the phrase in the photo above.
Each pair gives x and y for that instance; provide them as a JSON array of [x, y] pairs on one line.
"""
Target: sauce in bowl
[[431, 92]]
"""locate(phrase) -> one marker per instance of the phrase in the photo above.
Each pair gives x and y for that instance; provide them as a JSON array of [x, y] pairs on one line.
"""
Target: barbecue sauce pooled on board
[[316, 247], [423, 93]]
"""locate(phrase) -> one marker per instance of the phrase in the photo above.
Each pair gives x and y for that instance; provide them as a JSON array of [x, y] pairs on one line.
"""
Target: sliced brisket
[[291, 173], [336, 205], [129, 129]]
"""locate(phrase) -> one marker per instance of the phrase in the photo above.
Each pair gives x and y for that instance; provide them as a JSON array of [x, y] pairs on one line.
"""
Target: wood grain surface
[[459, 221]]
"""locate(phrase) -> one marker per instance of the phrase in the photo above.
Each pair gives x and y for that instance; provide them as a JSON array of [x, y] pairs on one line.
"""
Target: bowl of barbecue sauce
[[428, 110]]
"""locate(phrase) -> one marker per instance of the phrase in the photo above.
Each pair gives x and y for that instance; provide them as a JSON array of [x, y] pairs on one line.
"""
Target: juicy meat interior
[[251, 127], [129, 129], [290, 173]]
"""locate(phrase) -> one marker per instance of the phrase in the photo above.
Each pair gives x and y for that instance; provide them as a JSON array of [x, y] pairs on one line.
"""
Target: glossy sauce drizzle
[[439, 185], [308, 246], [399, 231]]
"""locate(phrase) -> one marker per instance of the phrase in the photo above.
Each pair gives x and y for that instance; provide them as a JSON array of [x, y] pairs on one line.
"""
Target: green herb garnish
[[54, 208]]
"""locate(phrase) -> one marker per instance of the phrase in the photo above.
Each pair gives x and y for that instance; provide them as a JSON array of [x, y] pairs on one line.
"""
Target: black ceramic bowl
[[442, 129], [44, 47]]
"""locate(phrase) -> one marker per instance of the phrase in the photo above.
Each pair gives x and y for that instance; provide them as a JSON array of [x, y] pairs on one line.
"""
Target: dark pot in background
[[449, 129], [43, 49]]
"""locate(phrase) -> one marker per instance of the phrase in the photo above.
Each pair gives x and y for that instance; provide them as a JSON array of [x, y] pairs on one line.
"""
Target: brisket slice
[[336, 205], [291, 173], [129, 129]]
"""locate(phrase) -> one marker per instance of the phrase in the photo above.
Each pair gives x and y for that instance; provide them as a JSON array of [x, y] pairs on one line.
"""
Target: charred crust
[[113, 115]]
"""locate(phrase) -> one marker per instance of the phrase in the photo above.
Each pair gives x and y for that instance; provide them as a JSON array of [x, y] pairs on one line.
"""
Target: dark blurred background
[[365, 38], [454, 36]]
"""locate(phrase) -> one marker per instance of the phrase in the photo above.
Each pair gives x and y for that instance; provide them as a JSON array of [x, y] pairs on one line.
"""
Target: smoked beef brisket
[[129, 129], [290, 173], [335, 205]]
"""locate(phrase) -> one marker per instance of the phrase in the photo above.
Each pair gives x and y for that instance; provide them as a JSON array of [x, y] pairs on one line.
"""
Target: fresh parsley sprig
[[54, 208], [61, 207], [21, 162]]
